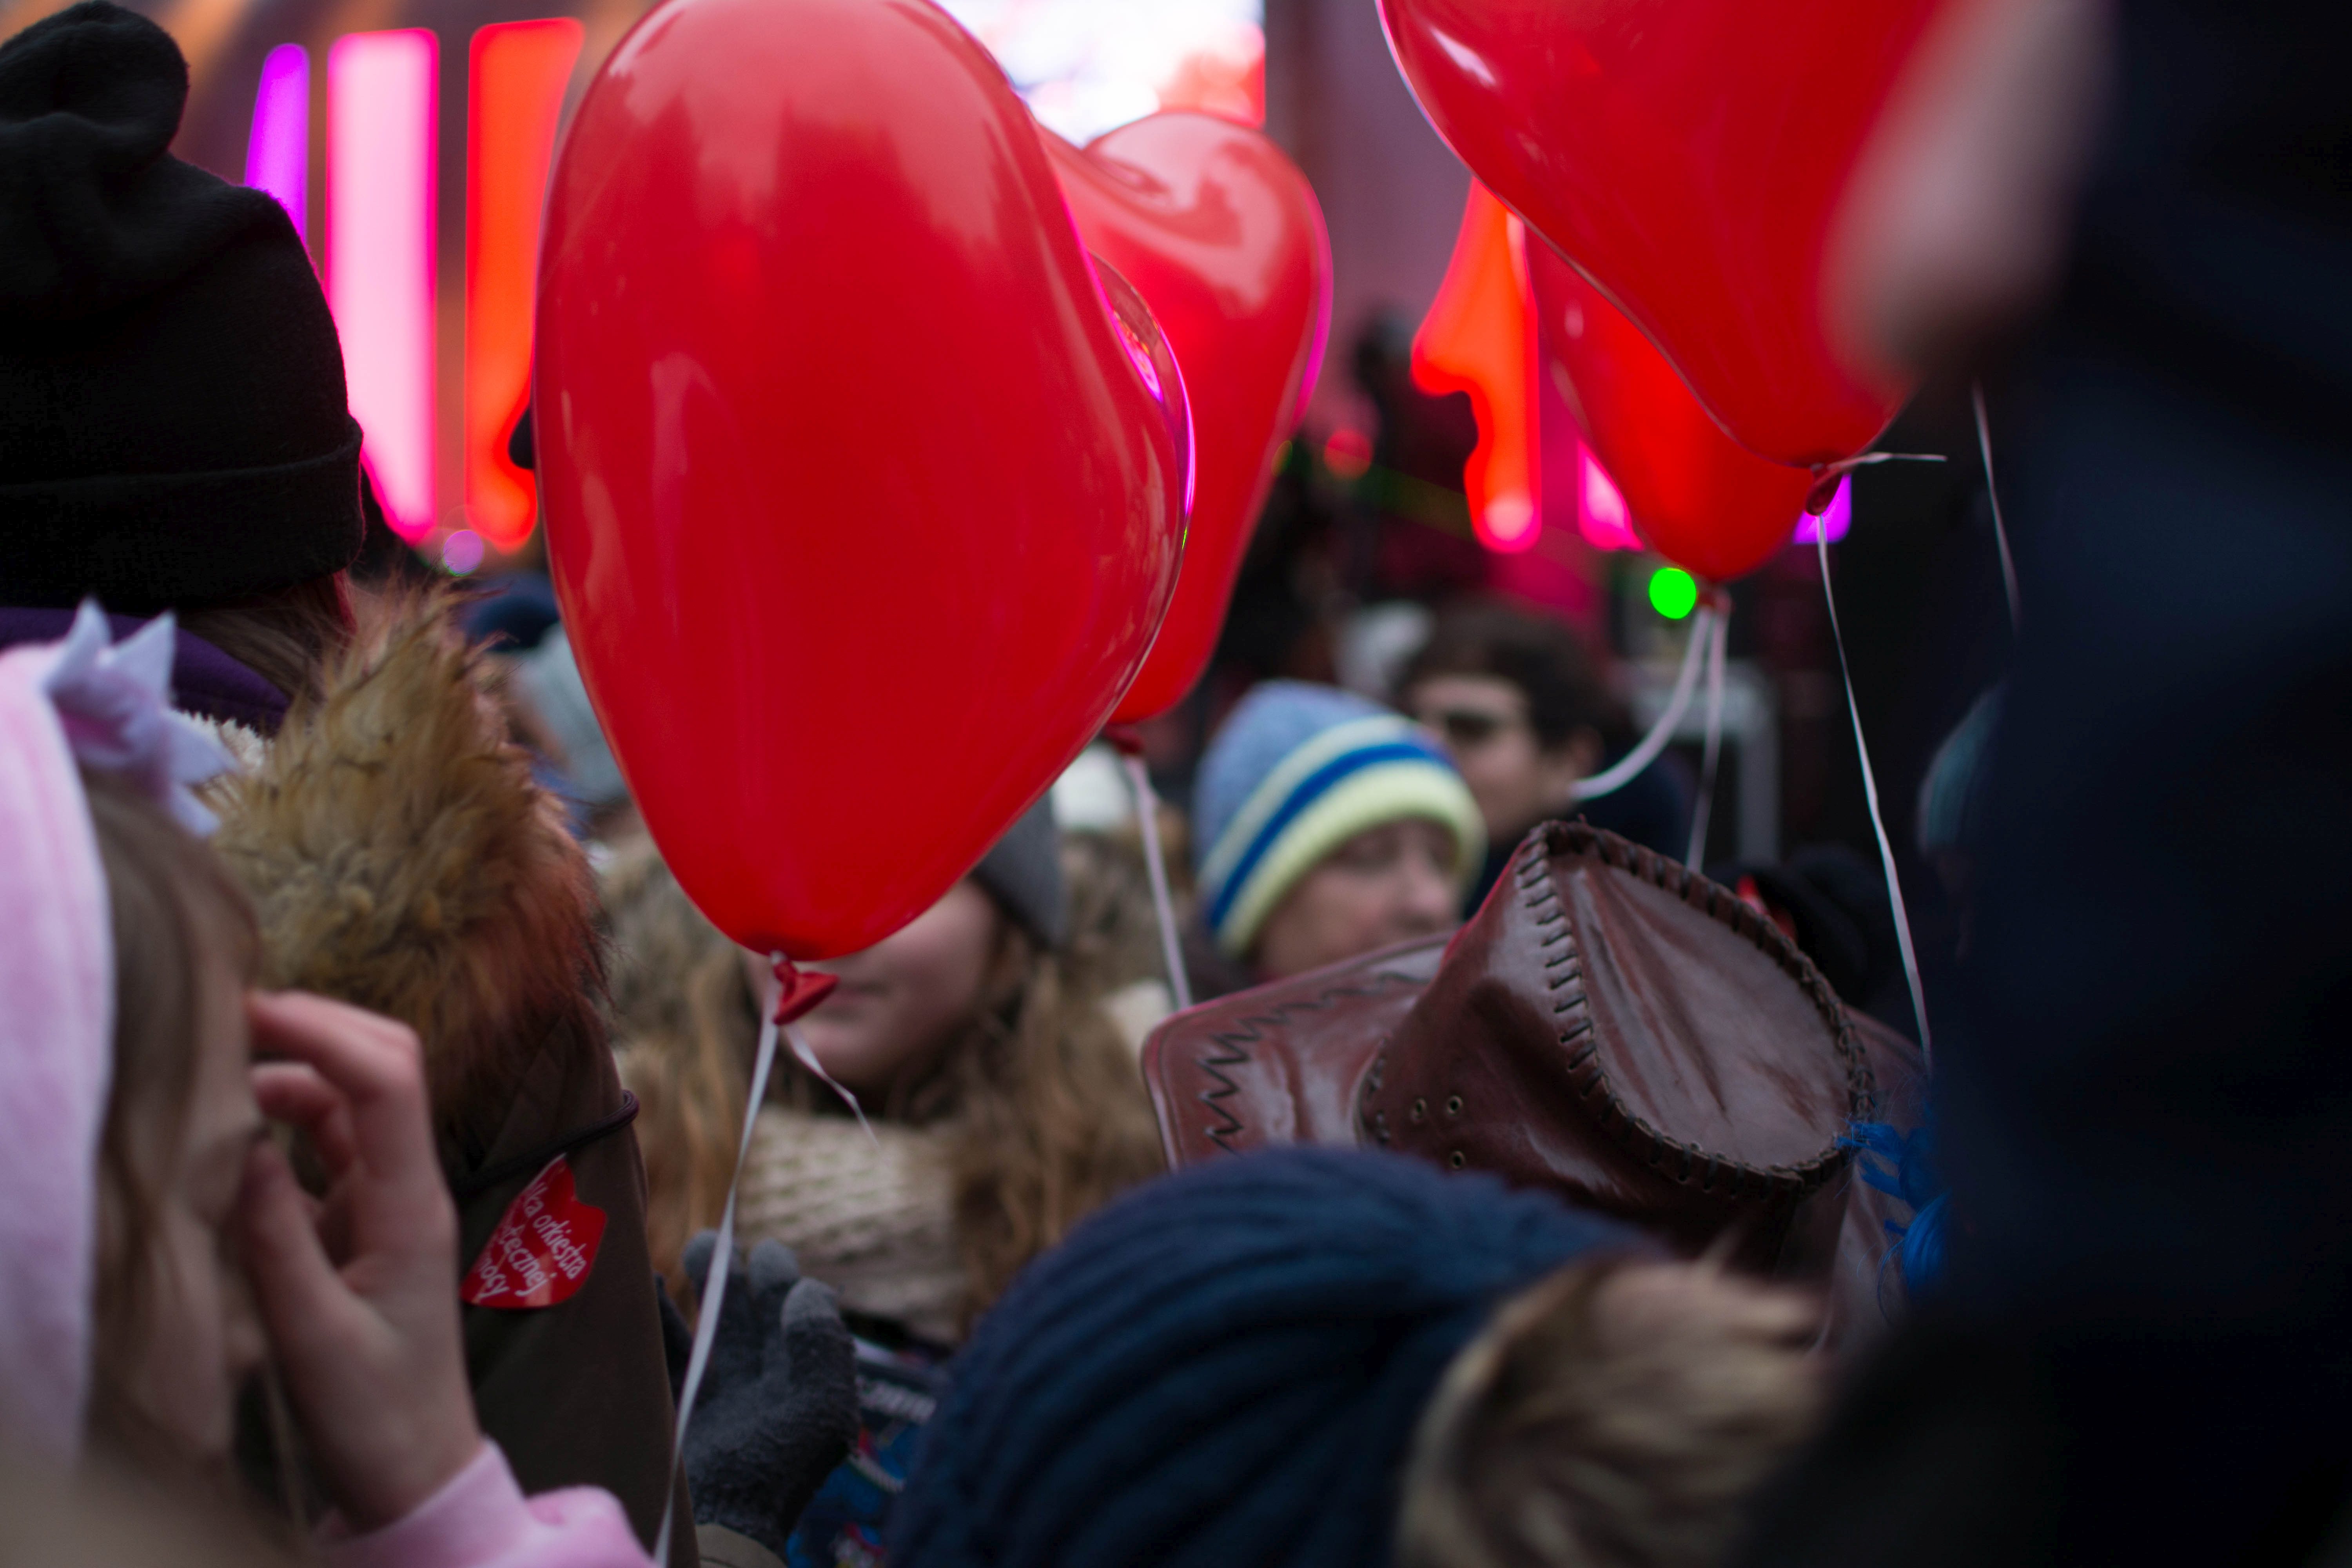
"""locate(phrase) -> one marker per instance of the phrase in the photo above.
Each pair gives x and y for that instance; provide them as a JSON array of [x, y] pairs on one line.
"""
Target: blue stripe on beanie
[[1295, 770], [1272, 721], [1402, 748], [1225, 1367]]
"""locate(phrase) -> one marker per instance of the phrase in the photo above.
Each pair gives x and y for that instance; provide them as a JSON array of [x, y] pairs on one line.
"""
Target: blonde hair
[[1049, 1116], [180, 924], [1617, 1412]]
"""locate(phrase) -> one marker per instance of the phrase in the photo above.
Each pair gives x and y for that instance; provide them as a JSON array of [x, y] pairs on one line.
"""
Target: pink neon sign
[[277, 152], [380, 198], [1834, 521]]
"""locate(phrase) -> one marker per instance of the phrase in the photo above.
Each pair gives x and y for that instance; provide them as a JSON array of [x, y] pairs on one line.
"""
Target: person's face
[[201, 1338], [1388, 884], [1483, 719], [902, 1000]]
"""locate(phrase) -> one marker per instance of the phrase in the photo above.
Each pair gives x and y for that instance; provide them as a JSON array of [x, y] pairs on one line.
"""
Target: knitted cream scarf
[[875, 1224]]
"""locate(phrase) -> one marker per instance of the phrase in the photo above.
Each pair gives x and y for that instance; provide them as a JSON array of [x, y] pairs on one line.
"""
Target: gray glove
[[777, 1408]]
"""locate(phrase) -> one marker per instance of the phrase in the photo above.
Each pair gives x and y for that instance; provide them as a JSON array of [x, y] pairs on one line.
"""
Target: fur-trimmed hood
[[401, 857]]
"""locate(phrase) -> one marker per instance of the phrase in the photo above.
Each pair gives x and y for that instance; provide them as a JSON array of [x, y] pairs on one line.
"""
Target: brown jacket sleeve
[[577, 1393]]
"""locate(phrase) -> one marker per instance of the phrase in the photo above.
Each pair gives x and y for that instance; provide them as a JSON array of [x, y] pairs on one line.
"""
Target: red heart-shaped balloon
[[1698, 498], [864, 500], [1689, 157], [1223, 236]]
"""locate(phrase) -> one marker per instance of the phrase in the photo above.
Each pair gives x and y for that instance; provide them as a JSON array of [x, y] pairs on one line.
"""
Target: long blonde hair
[[1048, 1114]]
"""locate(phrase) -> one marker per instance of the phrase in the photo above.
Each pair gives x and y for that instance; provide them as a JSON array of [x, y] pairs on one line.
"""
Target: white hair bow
[[115, 701]]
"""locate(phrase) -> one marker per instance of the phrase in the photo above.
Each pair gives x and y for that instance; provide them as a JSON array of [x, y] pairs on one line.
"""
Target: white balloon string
[[2000, 529], [1878, 820], [1704, 809], [805, 1055], [1868, 459], [714, 1286], [1155, 866], [1643, 754]]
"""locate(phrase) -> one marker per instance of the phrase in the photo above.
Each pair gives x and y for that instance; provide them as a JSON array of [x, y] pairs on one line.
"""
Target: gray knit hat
[[1023, 874]]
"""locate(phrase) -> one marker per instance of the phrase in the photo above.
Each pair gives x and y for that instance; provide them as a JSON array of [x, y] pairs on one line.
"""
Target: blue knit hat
[[1295, 771], [1225, 1368]]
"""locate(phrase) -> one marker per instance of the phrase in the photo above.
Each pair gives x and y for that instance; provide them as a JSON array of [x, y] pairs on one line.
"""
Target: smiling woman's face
[[901, 1001]]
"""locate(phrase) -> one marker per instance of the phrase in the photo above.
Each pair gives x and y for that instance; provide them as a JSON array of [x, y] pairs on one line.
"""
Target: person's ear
[[1575, 757]]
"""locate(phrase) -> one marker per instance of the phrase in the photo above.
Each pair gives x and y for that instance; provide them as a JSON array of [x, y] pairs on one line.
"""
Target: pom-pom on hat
[[1225, 1368], [174, 428], [1297, 770]]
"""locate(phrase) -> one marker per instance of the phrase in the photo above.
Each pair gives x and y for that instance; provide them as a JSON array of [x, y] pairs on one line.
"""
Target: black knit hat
[[173, 422]]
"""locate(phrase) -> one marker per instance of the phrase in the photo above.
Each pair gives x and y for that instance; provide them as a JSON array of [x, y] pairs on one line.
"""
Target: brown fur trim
[[401, 858]]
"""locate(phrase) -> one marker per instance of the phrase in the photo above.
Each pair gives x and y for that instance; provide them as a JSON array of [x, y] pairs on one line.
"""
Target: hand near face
[[358, 1290]]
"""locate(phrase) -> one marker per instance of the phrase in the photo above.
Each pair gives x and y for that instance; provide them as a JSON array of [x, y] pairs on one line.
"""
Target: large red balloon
[[1689, 157], [864, 501], [1222, 234], [1698, 498]]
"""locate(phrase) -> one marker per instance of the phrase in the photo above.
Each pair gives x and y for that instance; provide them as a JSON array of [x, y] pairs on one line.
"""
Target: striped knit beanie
[[1295, 771], [1225, 1367]]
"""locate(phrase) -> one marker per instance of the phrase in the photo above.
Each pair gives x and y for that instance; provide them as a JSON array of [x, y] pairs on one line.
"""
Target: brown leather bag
[[1609, 1025]]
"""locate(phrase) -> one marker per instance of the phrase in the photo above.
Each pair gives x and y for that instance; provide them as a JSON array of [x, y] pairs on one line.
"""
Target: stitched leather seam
[[1700, 1167], [1226, 1046]]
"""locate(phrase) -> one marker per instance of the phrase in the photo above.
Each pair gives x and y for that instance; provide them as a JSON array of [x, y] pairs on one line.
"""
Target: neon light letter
[[278, 151], [517, 74], [1834, 521], [380, 194], [1480, 338]]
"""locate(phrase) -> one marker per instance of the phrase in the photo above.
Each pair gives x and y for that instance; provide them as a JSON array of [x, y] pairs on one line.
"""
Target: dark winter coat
[[401, 857], [2146, 1085]]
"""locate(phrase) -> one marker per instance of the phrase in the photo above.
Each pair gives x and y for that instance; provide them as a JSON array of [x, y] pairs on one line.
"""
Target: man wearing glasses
[[1523, 710]]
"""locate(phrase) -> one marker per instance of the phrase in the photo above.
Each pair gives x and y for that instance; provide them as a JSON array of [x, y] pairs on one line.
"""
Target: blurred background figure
[[1003, 1105], [2146, 1093], [1324, 826], [1525, 713], [1950, 822], [550, 706]]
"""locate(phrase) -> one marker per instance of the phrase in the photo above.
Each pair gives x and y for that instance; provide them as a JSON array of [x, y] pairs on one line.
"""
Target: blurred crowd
[[375, 1099]]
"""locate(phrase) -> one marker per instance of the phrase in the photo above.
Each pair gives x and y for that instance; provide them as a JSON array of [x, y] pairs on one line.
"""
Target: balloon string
[[1643, 755], [807, 1055], [1828, 477], [1878, 820], [1848, 465], [1696, 859], [1147, 820], [706, 1320], [2000, 529]]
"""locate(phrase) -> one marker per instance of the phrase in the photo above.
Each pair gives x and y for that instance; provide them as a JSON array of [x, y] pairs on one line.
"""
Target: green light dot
[[1673, 592]]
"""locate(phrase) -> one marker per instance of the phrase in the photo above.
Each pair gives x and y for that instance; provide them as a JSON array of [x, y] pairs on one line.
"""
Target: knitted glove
[[777, 1408]]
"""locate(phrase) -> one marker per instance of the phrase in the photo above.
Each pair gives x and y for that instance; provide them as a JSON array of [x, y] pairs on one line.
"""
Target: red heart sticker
[[543, 1248]]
